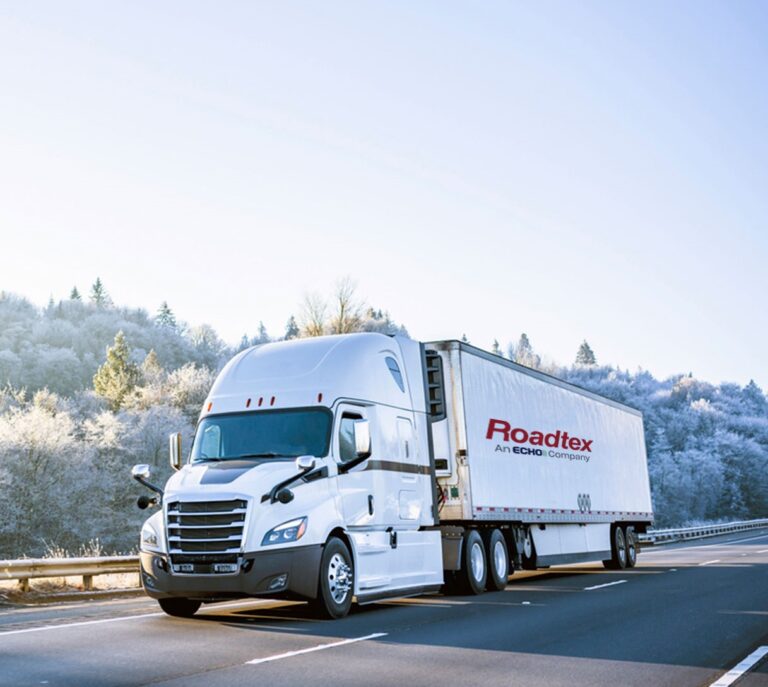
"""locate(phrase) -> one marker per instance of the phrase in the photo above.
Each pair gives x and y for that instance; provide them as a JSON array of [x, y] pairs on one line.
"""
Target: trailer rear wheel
[[618, 559], [528, 557], [473, 574], [498, 560], [631, 540], [179, 607]]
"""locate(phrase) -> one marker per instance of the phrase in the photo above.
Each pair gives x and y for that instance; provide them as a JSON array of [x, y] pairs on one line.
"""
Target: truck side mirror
[[362, 438], [175, 450], [305, 463], [140, 472]]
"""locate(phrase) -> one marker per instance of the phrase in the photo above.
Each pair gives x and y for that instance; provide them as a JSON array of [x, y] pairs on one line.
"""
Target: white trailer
[[365, 466], [560, 471]]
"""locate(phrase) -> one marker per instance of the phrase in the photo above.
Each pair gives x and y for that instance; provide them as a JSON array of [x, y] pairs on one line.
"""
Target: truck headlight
[[149, 537], [288, 531]]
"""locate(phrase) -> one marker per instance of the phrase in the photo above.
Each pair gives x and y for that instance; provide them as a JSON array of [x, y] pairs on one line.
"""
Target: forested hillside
[[87, 389]]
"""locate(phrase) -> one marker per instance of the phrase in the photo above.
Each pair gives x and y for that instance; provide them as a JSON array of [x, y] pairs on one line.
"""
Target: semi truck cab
[[309, 476]]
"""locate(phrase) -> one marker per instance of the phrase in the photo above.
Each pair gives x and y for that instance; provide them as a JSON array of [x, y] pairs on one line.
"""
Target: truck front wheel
[[335, 586], [179, 607]]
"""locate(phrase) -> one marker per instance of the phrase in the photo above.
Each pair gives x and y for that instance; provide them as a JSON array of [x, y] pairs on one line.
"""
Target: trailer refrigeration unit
[[366, 466]]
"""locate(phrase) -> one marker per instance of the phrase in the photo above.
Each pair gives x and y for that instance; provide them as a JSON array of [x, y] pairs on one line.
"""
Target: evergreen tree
[[263, 336], [464, 338], [118, 376], [99, 296], [245, 342], [74, 294], [524, 354], [165, 317], [151, 369], [496, 349], [291, 329], [585, 355]]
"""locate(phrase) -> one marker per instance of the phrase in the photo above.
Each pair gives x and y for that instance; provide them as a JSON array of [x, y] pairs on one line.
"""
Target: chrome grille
[[205, 537]]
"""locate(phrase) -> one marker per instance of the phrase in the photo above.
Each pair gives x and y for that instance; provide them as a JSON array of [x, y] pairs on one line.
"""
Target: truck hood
[[246, 476]]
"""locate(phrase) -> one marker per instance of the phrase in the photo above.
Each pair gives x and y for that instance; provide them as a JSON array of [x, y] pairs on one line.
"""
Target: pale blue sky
[[572, 170]]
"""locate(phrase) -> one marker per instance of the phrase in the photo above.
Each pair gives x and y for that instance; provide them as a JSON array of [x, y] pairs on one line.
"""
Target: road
[[687, 614]]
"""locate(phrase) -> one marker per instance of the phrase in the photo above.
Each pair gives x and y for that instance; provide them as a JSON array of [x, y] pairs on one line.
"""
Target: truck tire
[[631, 540], [618, 559], [528, 555], [335, 586], [179, 607], [472, 576], [497, 555]]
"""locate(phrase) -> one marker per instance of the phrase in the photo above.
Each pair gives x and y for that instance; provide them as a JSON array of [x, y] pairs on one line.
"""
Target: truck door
[[357, 486]]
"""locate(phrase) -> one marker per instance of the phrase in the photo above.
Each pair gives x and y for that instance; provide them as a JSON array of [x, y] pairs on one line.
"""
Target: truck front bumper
[[266, 573]]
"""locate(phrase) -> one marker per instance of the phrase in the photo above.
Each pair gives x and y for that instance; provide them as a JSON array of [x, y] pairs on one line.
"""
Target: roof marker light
[[261, 400], [248, 403], [272, 402], [210, 405], [320, 398]]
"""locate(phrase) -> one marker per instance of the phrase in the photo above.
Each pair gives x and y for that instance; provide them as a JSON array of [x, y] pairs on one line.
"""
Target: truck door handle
[[370, 504]]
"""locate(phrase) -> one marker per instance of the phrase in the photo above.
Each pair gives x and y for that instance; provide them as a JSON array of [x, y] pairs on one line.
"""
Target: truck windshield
[[263, 434]]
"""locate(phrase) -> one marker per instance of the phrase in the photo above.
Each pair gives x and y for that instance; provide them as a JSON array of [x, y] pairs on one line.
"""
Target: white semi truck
[[365, 466]]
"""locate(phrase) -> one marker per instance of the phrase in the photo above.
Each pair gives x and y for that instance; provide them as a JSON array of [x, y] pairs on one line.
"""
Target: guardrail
[[26, 569], [669, 536]]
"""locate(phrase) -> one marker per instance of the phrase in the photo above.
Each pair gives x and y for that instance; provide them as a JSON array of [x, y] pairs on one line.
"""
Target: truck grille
[[205, 537]]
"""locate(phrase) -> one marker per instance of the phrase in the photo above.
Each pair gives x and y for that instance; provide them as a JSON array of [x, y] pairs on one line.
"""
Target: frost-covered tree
[[496, 349], [99, 296], [377, 320], [464, 338], [585, 355], [118, 376], [291, 329], [313, 315], [347, 315], [165, 317], [524, 353]]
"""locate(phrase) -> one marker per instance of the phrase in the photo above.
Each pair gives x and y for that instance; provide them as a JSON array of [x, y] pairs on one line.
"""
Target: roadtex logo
[[501, 430]]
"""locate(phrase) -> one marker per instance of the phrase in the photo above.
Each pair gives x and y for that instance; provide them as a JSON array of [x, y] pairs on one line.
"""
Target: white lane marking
[[747, 664], [717, 560], [600, 586], [666, 548], [44, 628], [673, 570], [763, 551], [320, 647]]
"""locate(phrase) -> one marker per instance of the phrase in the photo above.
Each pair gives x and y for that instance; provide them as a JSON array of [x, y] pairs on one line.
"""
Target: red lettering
[[574, 443], [498, 426], [586, 445], [552, 440], [536, 438], [519, 435]]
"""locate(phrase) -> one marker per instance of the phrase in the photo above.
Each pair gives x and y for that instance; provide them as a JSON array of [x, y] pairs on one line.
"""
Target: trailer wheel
[[618, 559], [474, 568], [498, 560], [631, 539], [179, 607], [528, 557], [335, 585]]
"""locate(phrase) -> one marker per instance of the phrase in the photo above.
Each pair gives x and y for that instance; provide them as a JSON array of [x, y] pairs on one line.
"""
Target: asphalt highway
[[686, 615]]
